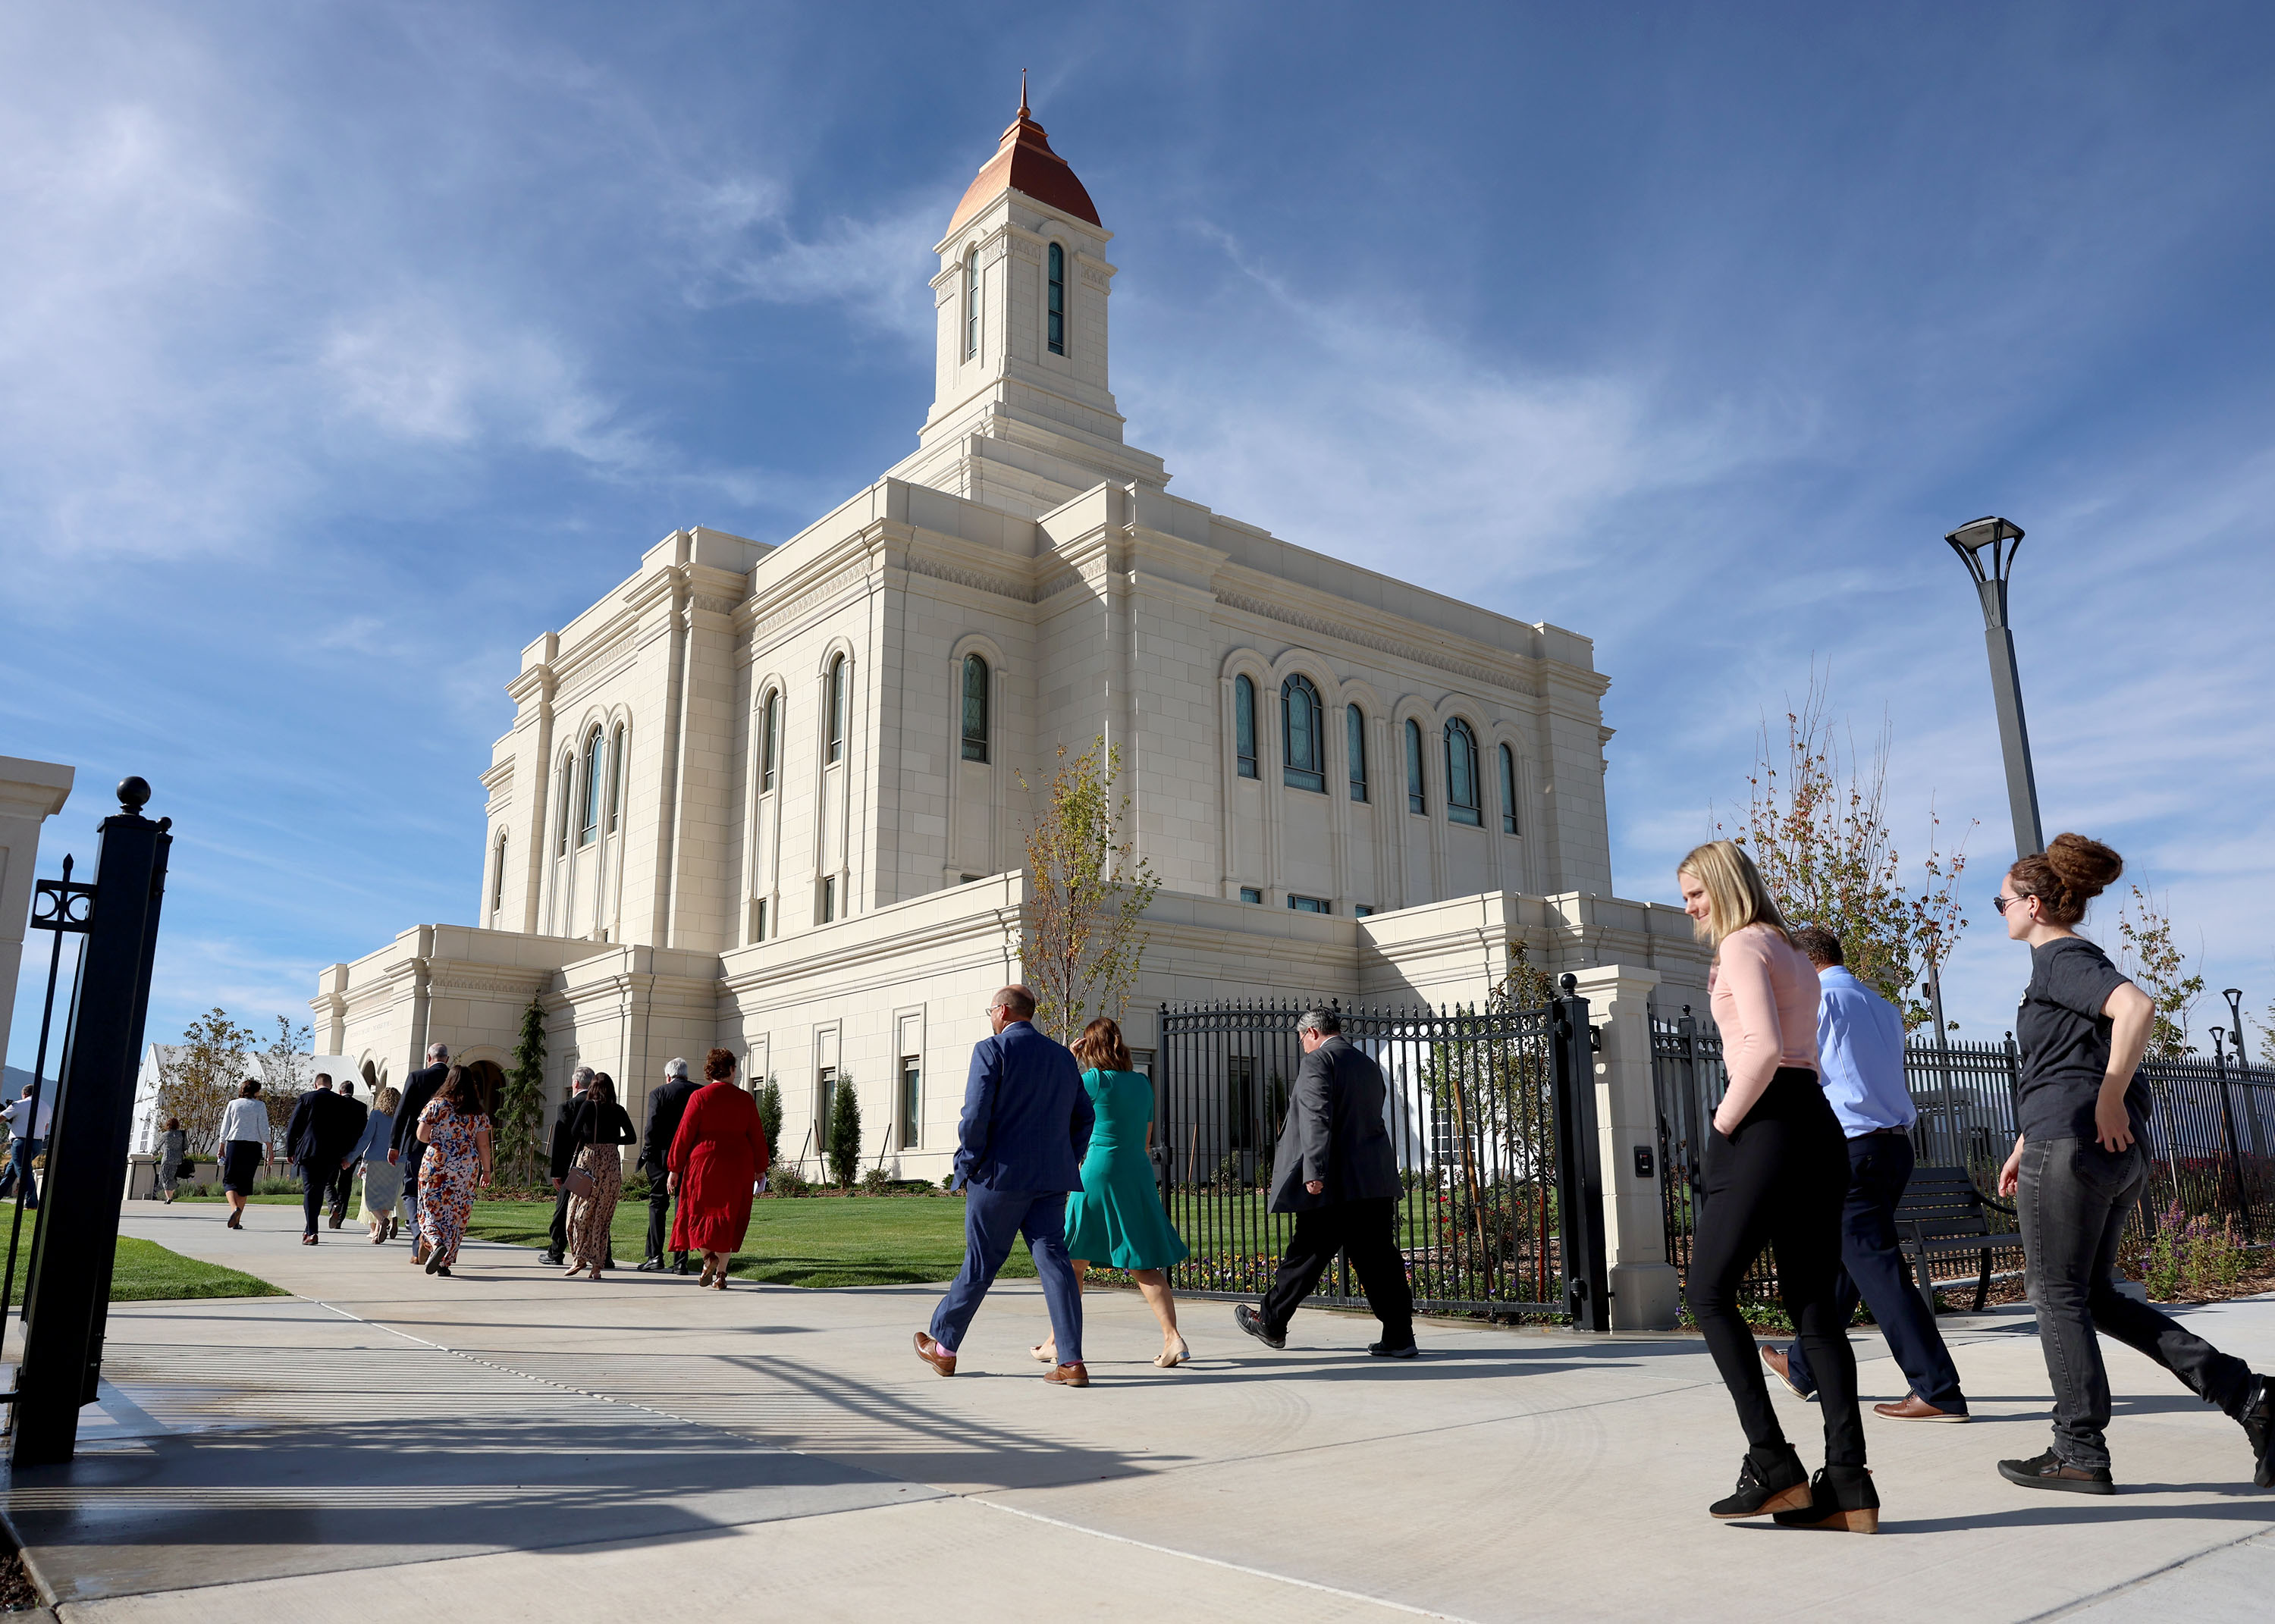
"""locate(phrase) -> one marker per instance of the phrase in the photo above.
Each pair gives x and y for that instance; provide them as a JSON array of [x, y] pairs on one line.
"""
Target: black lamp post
[[2234, 996], [1989, 545]]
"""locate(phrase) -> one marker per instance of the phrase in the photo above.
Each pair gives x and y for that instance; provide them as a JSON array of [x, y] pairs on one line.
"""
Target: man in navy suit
[[1019, 1150]]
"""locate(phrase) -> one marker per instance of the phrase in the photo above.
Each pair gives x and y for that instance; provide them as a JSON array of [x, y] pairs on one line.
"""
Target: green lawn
[[147, 1273], [819, 1241]]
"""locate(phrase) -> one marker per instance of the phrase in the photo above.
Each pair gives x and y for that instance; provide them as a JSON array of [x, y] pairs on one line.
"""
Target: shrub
[[2190, 1257], [784, 1179], [876, 1182], [845, 1134]]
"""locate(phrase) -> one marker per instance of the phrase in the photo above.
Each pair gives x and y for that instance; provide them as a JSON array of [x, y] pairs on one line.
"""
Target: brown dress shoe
[[1780, 1367], [1915, 1408], [1068, 1375], [928, 1350]]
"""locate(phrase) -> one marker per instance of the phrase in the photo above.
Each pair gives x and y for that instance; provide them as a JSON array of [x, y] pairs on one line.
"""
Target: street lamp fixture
[[1988, 545], [2234, 996]]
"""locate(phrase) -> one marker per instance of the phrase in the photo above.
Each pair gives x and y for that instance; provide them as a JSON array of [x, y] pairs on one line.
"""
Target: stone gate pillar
[[1646, 1291], [31, 792]]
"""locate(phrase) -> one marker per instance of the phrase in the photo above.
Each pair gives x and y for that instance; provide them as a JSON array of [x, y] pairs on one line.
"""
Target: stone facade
[[768, 796]]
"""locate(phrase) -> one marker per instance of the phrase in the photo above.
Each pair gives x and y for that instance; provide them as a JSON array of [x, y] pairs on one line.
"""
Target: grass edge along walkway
[[145, 1272]]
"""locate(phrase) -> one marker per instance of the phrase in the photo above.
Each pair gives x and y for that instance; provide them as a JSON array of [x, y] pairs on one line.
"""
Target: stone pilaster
[[1646, 1291]]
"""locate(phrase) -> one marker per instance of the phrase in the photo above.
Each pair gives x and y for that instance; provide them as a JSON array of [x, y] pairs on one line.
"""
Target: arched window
[[588, 823], [1415, 800], [567, 791], [769, 739], [1303, 752], [1357, 720], [837, 699], [497, 876], [1058, 300], [617, 779], [1508, 791], [1464, 797], [972, 303], [1243, 726], [975, 708]]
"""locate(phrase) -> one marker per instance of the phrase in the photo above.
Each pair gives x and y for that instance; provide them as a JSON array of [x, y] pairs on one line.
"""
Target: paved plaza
[[507, 1444]]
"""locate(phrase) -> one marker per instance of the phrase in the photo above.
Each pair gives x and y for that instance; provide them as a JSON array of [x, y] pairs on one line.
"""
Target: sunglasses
[[2003, 902]]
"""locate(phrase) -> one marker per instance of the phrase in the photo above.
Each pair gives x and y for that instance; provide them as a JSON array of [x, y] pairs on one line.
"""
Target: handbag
[[579, 1184]]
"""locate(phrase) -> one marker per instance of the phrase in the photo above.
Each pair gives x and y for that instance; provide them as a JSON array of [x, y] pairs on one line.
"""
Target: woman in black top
[[2078, 1168], [602, 1125]]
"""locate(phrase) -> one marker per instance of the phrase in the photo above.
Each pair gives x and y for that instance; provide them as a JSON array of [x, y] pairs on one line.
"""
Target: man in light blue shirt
[[1860, 1050]]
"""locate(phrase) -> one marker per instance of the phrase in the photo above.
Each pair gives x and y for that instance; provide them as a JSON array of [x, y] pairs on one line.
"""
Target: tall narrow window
[[1508, 791], [1357, 720], [1464, 795], [769, 739], [759, 921], [975, 708], [911, 1101], [1058, 300], [588, 824], [971, 304], [837, 698], [1243, 726], [827, 909], [1304, 764], [1415, 800], [497, 876], [568, 794], [617, 779]]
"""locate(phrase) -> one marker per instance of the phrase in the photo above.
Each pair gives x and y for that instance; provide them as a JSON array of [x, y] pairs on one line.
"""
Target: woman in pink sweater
[[1776, 1173]]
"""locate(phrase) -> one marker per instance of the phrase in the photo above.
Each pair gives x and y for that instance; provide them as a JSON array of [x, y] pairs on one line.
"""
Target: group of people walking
[[1809, 1152]]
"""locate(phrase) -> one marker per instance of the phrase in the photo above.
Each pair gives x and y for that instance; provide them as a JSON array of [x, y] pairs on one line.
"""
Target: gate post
[[1646, 1290], [1579, 1168], [70, 1303]]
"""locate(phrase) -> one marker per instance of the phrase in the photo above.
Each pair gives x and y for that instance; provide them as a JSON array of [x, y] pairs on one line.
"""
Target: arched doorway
[[489, 1078]]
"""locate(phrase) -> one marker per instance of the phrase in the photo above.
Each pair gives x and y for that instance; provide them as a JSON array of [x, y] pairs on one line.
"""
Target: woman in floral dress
[[459, 1135]]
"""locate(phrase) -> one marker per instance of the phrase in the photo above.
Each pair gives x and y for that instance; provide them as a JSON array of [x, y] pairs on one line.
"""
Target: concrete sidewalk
[[507, 1443]]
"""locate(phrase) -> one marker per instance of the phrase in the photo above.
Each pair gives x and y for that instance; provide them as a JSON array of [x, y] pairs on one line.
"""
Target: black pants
[[342, 1184], [561, 1223], [1781, 1180], [2072, 1205], [1364, 1232], [1872, 1266], [315, 1186], [659, 1216]]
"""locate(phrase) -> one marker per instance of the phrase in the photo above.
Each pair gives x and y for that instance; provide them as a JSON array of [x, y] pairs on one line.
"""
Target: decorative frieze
[[1349, 633]]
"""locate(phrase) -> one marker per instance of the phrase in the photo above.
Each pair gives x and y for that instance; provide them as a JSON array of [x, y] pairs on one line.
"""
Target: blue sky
[[349, 348]]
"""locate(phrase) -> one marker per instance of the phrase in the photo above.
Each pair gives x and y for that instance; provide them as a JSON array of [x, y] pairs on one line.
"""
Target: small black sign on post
[[69, 1305], [1579, 1172]]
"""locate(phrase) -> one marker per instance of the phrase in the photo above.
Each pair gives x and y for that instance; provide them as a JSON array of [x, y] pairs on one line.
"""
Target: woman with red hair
[[717, 1159]]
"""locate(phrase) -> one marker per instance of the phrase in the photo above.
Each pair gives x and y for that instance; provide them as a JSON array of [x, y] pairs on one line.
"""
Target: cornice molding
[[977, 580], [1401, 648]]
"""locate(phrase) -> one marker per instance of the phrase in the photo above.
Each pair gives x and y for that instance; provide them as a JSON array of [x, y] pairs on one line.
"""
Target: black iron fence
[[1488, 1128], [2211, 1140]]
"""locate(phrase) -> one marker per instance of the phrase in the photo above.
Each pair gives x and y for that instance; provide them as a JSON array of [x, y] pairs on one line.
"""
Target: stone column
[[1646, 1291], [31, 792]]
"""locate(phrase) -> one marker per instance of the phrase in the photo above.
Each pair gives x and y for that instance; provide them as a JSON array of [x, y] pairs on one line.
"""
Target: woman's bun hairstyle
[[719, 1064], [2070, 872]]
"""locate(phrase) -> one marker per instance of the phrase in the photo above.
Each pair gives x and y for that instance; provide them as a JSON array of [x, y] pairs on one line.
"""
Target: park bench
[[1942, 1214]]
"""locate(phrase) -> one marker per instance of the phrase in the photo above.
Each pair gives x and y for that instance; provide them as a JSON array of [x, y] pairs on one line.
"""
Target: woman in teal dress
[[1116, 1218]]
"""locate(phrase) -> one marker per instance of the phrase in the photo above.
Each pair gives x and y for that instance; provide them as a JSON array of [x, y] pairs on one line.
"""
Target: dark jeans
[[993, 1219], [658, 1215], [19, 1177], [2072, 1204], [1781, 1180], [1366, 1233], [1872, 1266]]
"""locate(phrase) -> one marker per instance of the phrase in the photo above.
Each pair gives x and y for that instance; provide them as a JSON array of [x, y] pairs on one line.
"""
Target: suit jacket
[[322, 1131], [569, 1134], [1334, 1133], [357, 1114], [665, 1107], [419, 1091], [1026, 1115]]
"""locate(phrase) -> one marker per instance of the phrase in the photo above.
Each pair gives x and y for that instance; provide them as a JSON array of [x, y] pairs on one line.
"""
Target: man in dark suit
[[356, 1114], [1020, 1149], [665, 1107], [568, 1133], [406, 1150], [319, 1141], [1337, 1174]]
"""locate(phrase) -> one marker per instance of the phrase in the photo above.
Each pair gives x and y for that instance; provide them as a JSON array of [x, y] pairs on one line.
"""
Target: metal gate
[[1491, 1115]]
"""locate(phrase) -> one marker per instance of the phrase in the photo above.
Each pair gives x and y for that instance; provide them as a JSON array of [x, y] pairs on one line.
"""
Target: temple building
[[765, 794]]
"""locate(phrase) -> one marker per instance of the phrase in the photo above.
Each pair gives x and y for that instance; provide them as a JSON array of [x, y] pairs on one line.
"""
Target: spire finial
[[1023, 93]]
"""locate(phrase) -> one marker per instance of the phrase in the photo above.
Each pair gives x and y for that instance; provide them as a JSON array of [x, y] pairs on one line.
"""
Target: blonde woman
[[1776, 1173], [382, 1180]]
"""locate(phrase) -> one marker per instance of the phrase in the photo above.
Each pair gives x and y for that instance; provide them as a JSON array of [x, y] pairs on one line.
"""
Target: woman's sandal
[[704, 1279], [1169, 1361]]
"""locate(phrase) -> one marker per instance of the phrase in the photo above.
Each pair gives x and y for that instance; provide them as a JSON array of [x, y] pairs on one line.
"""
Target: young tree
[[2161, 971], [202, 1075], [1087, 893], [770, 1114], [521, 1102], [1817, 827], [845, 1134], [284, 1072]]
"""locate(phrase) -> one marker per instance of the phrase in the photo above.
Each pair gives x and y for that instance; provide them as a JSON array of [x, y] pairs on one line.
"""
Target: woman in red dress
[[716, 1160]]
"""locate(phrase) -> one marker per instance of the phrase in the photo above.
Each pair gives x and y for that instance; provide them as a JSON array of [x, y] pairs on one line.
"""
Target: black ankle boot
[[1782, 1485], [1841, 1498]]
